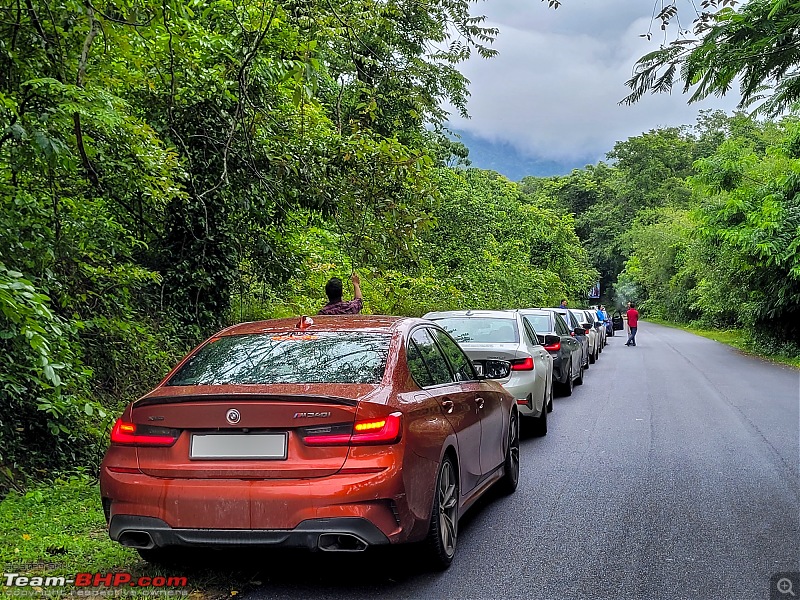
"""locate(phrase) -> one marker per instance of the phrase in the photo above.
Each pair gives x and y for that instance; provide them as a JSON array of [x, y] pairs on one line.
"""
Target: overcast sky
[[554, 89]]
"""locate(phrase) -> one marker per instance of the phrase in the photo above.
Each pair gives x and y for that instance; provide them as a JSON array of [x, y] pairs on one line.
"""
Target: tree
[[757, 44]]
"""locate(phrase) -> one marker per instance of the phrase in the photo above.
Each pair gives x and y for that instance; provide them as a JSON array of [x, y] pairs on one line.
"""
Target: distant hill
[[507, 160]]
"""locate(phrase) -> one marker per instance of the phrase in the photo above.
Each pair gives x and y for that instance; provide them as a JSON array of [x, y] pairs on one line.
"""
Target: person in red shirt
[[633, 324]]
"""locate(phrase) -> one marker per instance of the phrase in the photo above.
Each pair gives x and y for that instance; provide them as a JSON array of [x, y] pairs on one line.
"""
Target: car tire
[[579, 380], [550, 396], [593, 357], [508, 484], [443, 528], [540, 423], [569, 384]]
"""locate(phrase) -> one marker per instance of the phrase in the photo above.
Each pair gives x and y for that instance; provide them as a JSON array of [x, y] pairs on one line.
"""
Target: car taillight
[[522, 364], [385, 430], [554, 347], [132, 434]]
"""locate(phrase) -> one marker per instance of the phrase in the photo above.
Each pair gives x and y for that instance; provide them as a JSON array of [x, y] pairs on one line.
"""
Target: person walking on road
[[633, 324], [337, 306]]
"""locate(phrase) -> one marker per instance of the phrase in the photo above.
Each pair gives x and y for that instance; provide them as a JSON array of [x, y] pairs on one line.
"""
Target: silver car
[[591, 315], [501, 335], [593, 337]]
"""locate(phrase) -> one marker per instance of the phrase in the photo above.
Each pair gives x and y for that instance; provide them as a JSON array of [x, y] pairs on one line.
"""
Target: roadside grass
[[732, 337], [58, 529]]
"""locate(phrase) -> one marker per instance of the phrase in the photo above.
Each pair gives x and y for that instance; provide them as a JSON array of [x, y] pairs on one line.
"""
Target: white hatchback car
[[502, 335]]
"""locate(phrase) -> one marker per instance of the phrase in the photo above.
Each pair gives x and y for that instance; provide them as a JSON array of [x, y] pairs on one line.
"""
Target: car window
[[460, 363], [561, 327], [491, 330], [579, 318], [290, 357], [432, 356], [540, 323], [416, 365], [533, 339]]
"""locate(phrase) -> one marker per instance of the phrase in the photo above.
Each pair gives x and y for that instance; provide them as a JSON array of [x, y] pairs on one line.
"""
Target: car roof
[[382, 323], [533, 311], [492, 314], [557, 309]]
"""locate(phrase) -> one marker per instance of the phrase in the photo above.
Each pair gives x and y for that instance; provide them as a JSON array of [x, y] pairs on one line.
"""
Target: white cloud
[[553, 91]]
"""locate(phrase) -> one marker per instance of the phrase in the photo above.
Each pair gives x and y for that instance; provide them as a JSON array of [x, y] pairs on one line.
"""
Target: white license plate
[[478, 368], [269, 446]]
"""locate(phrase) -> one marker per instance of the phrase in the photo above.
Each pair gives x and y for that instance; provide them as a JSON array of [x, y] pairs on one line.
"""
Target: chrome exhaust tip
[[341, 542], [140, 540]]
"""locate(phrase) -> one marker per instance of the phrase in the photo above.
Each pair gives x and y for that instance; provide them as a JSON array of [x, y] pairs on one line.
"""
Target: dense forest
[[172, 167]]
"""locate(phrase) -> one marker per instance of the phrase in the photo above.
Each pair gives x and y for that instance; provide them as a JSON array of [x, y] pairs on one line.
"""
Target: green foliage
[[168, 166], [731, 258], [755, 46], [42, 412], [751, 214]]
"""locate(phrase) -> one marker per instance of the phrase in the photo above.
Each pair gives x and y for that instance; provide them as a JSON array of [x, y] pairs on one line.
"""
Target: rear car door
[[489, 405], [459, 405], [541, 358], [572, 345]]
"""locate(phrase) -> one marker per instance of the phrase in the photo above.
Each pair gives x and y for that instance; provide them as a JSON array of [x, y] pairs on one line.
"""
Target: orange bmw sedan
[[335, 434]]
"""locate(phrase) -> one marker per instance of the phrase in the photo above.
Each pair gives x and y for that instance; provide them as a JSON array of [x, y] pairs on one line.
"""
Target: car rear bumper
[[343, 534], [258, 507]]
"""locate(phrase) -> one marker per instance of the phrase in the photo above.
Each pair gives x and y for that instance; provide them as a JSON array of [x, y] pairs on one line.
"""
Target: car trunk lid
[[231, 432]]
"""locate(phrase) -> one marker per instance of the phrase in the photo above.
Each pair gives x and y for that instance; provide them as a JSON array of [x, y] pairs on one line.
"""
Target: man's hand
[[356, 285]]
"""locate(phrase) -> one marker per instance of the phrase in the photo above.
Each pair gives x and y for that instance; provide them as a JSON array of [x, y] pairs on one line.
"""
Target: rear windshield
[[320, 357], [490, 330], [541, 323]]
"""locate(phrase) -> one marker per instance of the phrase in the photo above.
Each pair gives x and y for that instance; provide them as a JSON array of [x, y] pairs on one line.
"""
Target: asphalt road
[[672, 472]]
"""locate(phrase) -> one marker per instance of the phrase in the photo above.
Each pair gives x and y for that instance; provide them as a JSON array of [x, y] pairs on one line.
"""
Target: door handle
[[480, 402], [447, 405]]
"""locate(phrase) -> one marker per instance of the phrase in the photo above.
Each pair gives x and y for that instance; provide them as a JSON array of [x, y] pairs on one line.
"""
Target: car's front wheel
[[443, 528]]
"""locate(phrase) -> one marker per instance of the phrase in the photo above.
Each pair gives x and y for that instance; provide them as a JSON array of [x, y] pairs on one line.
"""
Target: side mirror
[[550, 339], [586, 325], [496, 369]]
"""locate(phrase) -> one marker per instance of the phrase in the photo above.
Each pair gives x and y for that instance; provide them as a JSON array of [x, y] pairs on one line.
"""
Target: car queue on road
[[340, 432]]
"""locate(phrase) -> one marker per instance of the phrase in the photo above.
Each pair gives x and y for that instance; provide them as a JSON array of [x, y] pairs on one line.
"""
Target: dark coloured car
[[565, 349], [332, 434], [575, 330]]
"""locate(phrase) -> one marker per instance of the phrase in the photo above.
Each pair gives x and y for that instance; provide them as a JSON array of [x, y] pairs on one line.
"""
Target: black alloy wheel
[[508, 484], [443, 528]]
